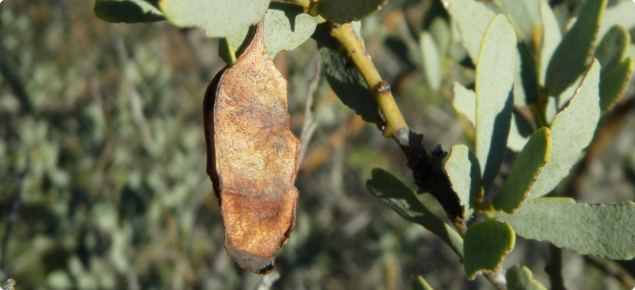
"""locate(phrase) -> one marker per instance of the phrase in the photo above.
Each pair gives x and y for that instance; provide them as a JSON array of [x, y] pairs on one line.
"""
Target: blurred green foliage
[[102, 161]]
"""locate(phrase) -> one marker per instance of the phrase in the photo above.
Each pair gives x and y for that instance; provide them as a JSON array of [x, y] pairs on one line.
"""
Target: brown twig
[[309, 125], [316, 157], [134, 97]]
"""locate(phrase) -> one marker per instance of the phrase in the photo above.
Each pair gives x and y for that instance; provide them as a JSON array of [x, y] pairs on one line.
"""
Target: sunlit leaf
[[574, 54], [530, 162], [596, 229], [219, 18], [521, 278], [486, 244], [129, 11], [464, 173], [442, 34], [402, 200], [494, 81], [571, 132], [286, 27], [431, 60], [465, 102], [472, 19], [342, 11], [526, 14], [565, 97]]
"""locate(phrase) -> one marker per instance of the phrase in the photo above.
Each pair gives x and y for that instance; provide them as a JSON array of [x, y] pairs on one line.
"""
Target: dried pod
[[252, 156]]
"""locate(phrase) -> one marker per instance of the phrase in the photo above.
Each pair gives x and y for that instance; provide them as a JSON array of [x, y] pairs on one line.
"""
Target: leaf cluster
[[540, 92]]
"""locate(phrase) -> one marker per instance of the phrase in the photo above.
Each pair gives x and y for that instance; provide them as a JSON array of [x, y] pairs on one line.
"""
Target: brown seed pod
[[252, 156]]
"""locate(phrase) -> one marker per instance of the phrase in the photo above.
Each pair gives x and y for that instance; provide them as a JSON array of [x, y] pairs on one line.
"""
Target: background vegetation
[[102, 161]]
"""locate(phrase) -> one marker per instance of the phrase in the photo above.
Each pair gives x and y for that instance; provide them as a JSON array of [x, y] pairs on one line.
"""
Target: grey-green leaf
[[520, 278], [613, 48], [486, 244], [442, 34], [402, 200], [530, 162], [571, 132], [616, 70], [494, 97], [574, 54], [286, 27], [614, 84], [551, 38], [431, 60], [472, 18], [219, 18], [129, 11], [565, 97], [464, 173], [465, 102], [526, 13], [343, 76], [342, 11], [418, 283], [595, 229]]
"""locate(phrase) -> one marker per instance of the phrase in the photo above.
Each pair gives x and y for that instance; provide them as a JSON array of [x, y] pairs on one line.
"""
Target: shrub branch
[[395, 123], [427, 169]]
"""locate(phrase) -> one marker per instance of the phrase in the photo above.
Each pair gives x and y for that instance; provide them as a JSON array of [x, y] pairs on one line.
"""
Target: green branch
[[395, 123]]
